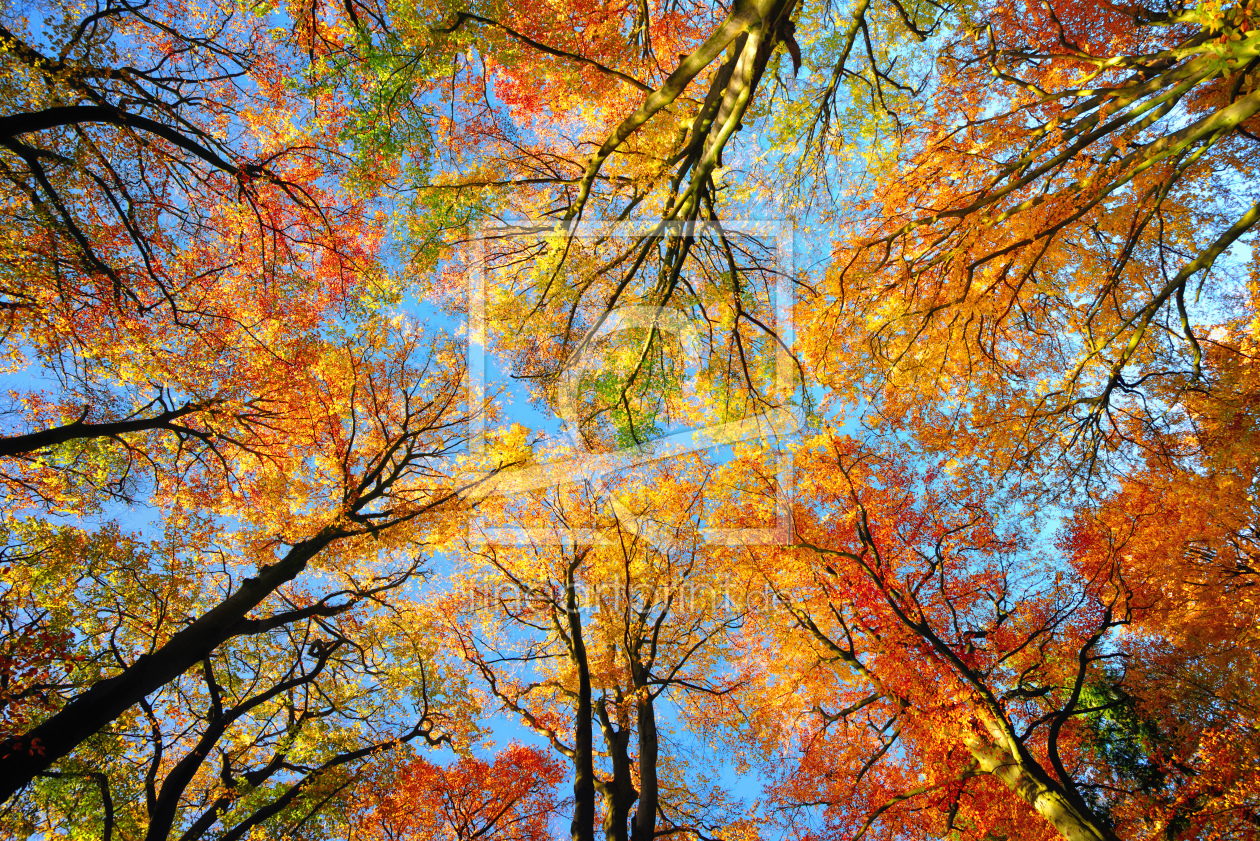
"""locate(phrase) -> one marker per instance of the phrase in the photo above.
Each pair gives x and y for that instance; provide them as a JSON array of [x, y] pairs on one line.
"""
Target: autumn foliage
[[512, 797], [776, 419]]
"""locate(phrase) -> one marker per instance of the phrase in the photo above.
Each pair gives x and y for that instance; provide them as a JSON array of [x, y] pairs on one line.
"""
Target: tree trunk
[[583, 826], [1037, 790], [649, 747], [619, 793], [22, 757]]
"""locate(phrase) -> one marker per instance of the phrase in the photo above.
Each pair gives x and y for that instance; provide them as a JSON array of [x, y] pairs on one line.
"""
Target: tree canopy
[[764, 419]]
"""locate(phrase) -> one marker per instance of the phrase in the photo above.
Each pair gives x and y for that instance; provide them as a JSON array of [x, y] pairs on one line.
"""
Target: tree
[[415, 800], [593, 634], [940, 659], [188, 271], [171, 243], [1180, 532], [1041, 251], [1020, 605], [266, 731], [663, 93], [384, 411]]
